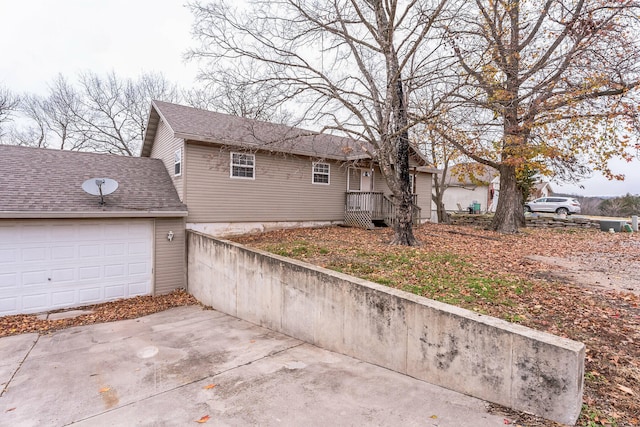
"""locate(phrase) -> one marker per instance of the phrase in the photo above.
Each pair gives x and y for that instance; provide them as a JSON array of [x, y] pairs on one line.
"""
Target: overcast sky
[[41, 38]]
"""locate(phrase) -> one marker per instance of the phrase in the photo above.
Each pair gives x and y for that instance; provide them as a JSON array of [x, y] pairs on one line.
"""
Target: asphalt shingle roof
[[208, 126], [48, 183]]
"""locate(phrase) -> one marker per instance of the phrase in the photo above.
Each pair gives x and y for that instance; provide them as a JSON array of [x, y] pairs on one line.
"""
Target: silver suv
[[559, 205]]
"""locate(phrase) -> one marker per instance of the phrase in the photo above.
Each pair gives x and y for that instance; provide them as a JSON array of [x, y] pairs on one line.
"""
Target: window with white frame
[[177, 162], [321, 173], [243, 165]]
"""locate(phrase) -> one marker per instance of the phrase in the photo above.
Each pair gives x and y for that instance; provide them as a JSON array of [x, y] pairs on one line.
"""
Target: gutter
[[104, 214]]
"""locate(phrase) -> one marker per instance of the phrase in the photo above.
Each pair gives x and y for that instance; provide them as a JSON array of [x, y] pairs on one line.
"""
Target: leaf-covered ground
[[123, 309], [495, 274]]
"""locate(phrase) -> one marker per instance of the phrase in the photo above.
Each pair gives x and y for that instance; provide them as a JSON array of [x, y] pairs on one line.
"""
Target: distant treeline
[[609, 206]]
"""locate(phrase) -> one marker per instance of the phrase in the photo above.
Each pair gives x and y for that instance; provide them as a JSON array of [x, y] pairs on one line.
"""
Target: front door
[[366, 180]]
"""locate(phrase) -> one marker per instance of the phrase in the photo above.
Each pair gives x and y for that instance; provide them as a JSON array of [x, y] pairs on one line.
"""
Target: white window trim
[[231, 164], [177, 159], [314, 173]]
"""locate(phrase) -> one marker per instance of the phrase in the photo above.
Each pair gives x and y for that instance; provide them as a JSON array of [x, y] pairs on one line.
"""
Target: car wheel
[[562, 211], [527, 209]]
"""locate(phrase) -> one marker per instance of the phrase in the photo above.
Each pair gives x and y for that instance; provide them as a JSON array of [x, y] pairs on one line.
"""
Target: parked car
[[559, 205]]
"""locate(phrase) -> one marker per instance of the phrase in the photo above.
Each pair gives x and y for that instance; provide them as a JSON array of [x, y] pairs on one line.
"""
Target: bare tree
[[103, 113], [35, 134], [353, 65], [441, 155], [550, 85], [227, 90], [8, 104]]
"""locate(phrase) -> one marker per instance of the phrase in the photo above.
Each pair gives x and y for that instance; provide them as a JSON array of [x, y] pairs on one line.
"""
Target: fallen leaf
[[10, 409], [105, 389], [506, 421], [204, 419], [434, 417], [209, 386], [625, 389]]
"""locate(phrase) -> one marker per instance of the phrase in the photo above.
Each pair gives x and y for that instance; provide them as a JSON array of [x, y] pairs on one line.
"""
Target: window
[[177, 162], [243, 165], [321, 173]]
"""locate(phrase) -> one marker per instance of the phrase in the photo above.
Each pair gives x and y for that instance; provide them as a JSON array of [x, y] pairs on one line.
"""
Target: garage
[[62, 247], [46, 265]]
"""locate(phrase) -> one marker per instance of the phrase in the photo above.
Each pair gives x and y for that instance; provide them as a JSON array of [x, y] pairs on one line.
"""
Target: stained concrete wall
[[449, 346]]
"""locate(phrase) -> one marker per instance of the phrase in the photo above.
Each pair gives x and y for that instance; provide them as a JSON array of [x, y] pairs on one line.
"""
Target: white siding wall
[[465, 196]]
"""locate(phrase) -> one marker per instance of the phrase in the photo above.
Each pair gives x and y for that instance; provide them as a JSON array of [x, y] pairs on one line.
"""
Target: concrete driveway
[[175, 367]]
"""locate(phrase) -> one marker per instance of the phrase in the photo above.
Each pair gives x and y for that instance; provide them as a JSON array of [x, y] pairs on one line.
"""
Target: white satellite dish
[[100, 187]]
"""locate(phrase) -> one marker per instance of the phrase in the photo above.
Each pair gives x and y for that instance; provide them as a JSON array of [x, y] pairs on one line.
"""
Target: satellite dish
[[100, 187]]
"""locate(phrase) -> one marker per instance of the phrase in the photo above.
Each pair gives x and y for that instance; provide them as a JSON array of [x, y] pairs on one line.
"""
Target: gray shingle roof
[[44, 183], [201, 125]]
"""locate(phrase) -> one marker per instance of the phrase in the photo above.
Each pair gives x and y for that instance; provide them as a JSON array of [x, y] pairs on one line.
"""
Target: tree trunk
[[436, 197], [443, 215], [509, 216], [404, 220]]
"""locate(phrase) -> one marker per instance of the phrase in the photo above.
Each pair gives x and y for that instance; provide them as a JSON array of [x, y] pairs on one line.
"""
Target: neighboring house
[[540, 189], [238, 175], [60, 248], [464, 189]]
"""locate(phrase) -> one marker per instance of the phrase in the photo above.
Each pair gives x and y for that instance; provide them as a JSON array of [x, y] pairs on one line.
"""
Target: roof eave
[[217, 141], [89, 214]]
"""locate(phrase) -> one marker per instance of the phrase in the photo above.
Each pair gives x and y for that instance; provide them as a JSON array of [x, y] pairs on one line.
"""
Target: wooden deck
[[362, 209]]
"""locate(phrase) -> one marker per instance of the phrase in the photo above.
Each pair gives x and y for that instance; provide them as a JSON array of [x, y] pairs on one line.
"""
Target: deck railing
[[362, 208]]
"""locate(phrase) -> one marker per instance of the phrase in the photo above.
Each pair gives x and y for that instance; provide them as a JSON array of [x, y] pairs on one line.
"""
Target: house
[[238, 175], [540, 189], [59, 247], [467, 184]]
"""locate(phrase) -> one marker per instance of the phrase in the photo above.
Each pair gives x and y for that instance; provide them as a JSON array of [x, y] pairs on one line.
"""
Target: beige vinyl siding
[[281, 191], [170, 271], [422, 189], [164, 148]]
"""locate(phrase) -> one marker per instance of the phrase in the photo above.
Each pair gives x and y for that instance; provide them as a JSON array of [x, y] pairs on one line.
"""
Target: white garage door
[[47, 265]]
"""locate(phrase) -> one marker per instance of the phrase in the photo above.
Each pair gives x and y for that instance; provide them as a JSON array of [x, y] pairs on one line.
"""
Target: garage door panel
[[8, 256], [8, 305], [89, 251], [33, 278], [8, 280], [34, 254], [138, 268], [62, 253], [115, 249], [90, 273], [36, 302], [90, 295], [117, 270], [136, 289], [62, 298], [114, 292], [35, 234], [63, 275], [88, 232], [77, 263]]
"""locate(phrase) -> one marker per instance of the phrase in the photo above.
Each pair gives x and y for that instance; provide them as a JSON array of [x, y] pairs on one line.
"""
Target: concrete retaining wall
[[445, 345]]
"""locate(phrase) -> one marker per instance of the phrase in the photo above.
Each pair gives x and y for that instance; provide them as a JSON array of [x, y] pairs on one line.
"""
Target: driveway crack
[[6, 386], [266, 356]]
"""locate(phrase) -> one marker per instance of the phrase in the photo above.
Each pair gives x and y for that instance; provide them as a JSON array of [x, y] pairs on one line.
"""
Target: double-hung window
[[177, 162], [243, 165], [321, 173]]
